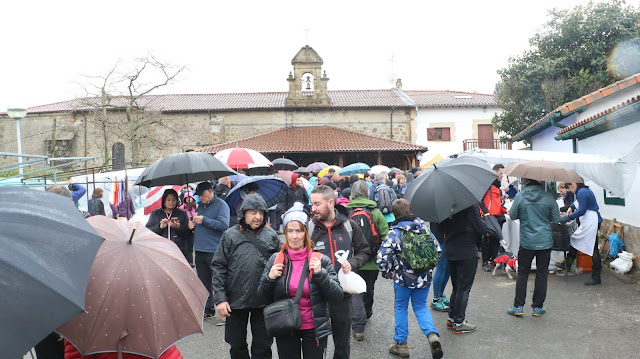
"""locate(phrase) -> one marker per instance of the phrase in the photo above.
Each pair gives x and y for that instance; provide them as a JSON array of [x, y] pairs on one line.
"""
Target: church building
[[309, 122]]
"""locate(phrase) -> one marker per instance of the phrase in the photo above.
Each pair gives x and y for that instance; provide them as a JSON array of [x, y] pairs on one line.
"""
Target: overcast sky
[[247, 46]]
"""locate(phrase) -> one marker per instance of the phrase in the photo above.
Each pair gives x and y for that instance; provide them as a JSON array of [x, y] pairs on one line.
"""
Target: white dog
[[509, 264]]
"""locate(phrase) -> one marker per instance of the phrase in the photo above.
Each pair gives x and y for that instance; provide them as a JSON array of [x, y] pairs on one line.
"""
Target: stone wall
[[230, 126], [84, 136]]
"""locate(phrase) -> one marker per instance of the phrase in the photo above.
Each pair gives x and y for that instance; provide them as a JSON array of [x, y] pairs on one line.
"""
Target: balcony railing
[[488, 144]]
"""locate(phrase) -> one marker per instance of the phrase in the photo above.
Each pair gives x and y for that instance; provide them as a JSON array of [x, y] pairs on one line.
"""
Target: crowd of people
[[241, 260]]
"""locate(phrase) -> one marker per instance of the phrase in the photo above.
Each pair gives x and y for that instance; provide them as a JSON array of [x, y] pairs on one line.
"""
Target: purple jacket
[[124, 208]]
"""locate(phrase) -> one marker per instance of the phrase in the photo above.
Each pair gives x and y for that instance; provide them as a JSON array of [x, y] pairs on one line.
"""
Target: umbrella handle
[[122, 336]]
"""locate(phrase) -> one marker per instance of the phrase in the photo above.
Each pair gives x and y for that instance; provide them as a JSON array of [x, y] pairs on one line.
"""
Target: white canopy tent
[[614, 175]]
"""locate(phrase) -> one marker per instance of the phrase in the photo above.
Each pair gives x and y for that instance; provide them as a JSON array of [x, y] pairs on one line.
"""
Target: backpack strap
[[259, 246], [349, 228], [279, 258], [312, 226], [317, 255]]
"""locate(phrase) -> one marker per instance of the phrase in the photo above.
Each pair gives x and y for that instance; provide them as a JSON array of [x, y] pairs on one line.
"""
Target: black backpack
[[93, 206], [383, 198], [363, 218]]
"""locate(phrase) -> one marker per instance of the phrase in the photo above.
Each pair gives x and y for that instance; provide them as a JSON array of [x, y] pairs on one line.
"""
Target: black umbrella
[[448, 187], [301, 170], [47, 252], [284, 164], [182, 168]]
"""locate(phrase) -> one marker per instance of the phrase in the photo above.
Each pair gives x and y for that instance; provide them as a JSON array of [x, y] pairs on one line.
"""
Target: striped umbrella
[[243, 158]]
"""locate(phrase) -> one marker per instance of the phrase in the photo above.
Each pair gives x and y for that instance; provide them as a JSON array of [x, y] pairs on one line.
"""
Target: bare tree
[[97, 101], [127, 91]]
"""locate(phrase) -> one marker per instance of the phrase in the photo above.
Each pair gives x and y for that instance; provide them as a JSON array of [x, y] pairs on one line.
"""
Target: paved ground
[[581, 322]]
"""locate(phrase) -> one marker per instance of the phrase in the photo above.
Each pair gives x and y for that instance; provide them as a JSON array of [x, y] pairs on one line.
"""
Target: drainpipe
[[554, 120]]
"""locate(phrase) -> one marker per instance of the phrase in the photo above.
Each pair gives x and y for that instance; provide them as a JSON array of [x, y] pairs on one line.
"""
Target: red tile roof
[[315, 139], [600, 114], [275, 100], [576, 104]]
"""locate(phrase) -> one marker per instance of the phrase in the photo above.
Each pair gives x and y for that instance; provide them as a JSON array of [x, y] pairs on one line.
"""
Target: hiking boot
[[516, 311], [595, 278], [434, 344], [399, 349], [358, 336], [486, 266], [538, 311], [464, 327], [450, 324], [444, 299], [438, 305]]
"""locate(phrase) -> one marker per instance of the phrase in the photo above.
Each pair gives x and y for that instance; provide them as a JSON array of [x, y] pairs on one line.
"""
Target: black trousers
[[489, 247], [51, 347], [362, 304], [188, 247], [235, 333], [463, 273], [341, 326], [525, 257], [205, 273], [301, 342], [596, 261]]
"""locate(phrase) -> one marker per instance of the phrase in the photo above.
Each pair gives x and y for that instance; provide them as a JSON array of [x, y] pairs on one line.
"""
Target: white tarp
[[614, 175]]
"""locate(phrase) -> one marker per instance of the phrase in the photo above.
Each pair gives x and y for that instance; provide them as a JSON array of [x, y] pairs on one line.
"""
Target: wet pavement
[[581, 322]]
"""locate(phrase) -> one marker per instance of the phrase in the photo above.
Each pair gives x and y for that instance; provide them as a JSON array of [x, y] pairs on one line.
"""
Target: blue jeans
[[419, 302], [441, 276]]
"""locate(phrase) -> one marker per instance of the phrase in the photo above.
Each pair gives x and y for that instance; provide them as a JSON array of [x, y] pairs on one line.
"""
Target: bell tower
[[307, 83]]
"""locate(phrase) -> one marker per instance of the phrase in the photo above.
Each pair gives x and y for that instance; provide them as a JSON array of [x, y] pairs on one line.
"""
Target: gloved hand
[[564, 219]]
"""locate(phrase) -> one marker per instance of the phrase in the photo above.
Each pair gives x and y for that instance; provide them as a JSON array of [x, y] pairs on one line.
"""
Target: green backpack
[[419, 250]]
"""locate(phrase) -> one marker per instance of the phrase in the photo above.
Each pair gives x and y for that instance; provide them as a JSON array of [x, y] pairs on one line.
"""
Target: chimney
[[399, 84]]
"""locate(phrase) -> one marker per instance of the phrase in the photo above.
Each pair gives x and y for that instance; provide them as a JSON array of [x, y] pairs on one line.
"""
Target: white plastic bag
[[351, 283], [623, 263]]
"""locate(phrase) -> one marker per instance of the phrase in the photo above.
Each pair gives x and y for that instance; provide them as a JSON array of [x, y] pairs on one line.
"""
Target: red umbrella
[[142, 295], [243, 158]]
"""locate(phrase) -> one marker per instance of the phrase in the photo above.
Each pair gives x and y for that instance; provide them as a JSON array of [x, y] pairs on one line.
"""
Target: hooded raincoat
[[238, 264]]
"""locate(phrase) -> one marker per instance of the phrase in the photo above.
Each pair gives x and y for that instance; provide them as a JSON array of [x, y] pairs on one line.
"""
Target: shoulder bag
[[283, 316]]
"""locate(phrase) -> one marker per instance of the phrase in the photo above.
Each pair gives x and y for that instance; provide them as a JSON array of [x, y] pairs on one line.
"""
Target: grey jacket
[[238, 264]]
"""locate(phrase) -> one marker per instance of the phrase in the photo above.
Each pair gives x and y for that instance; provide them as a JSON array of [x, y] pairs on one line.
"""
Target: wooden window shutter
[[431, 134], [446, 134]]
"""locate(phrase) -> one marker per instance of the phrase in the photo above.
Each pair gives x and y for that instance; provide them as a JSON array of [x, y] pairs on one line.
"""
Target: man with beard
[[332, 232]]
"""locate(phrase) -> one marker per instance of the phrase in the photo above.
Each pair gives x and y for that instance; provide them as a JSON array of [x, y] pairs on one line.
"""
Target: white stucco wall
[[544, 141], [461, 121], [616, 143]]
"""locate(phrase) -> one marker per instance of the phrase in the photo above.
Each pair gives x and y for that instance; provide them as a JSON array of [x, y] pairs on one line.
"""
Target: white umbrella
[[379, 169]]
